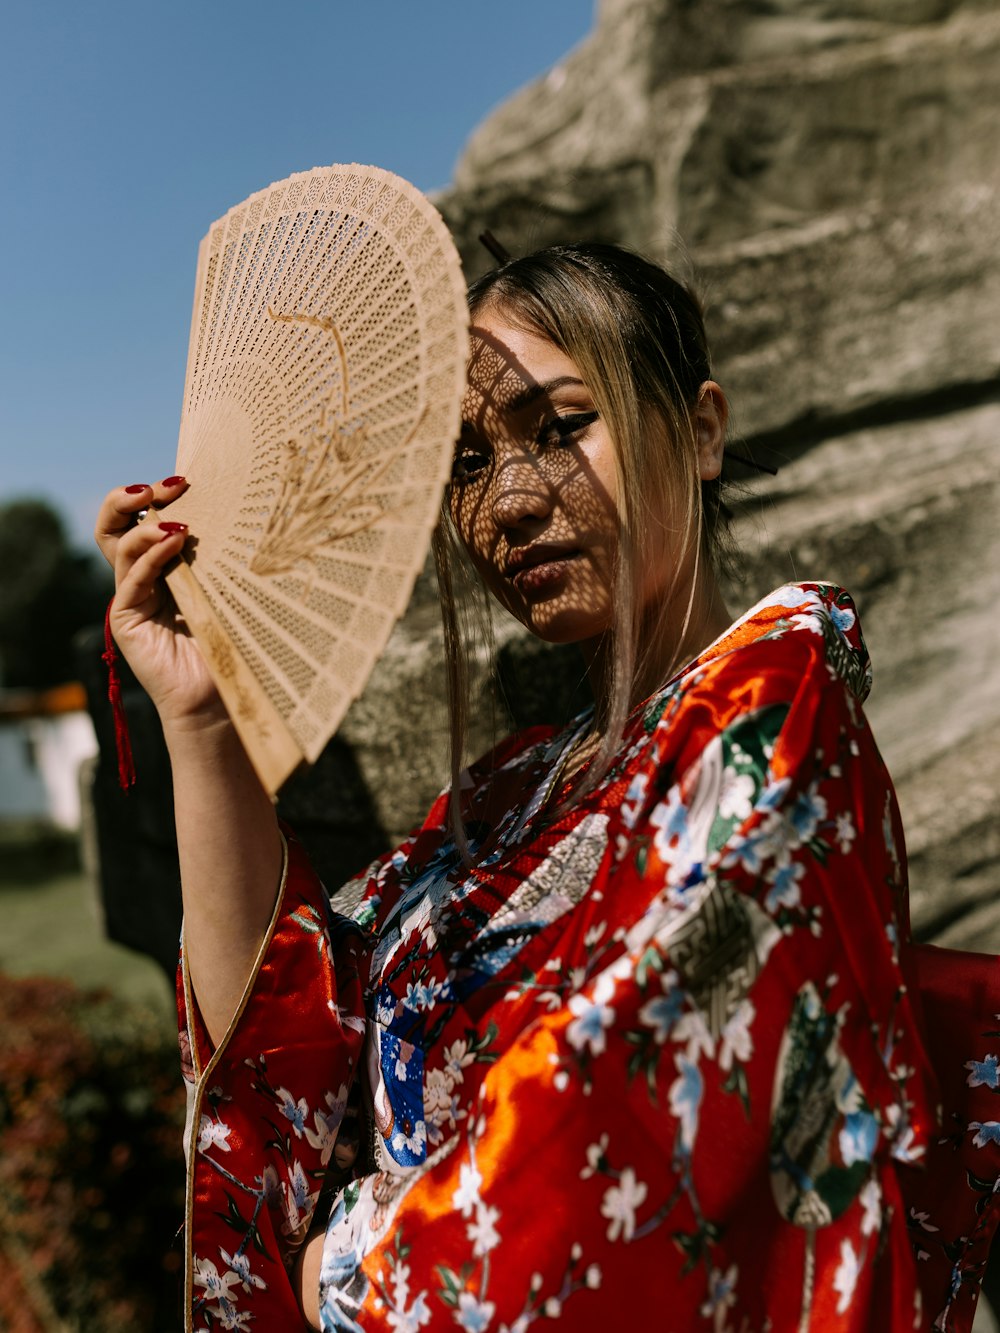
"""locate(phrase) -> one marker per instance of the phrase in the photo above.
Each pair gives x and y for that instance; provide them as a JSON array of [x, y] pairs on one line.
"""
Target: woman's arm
[[227, 832], [230, 858]]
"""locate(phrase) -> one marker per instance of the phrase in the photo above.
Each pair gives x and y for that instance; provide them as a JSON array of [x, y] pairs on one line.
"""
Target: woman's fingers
[[168, 490], [140, 558], [118, 512]]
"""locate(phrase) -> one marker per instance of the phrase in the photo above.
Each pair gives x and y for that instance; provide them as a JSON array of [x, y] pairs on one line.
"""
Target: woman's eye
[[565, 429], [469, 463]]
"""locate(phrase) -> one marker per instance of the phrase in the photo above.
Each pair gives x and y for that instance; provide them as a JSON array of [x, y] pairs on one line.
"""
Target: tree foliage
[[47, 593]]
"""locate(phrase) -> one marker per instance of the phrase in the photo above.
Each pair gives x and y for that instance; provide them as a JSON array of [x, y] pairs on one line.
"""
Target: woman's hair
[[638, 338]]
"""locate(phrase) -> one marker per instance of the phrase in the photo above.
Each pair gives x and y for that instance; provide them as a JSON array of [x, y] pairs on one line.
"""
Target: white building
[[45, 737]]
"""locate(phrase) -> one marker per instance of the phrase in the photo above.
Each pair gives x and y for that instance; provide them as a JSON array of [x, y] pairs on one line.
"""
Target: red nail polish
[[136, 490], [172, 481], [171, 528]]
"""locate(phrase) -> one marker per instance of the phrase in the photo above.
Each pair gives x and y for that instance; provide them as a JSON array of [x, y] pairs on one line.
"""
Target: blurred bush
[[91, 1167]]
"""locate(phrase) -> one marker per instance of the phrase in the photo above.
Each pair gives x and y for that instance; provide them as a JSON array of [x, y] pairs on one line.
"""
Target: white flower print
[[692, 1029], [409, 1321], [592, 1277], [784, 881], [591, 1017], [736, 1039], [469, 1184], [295, 1111], [593, 934], [437, 1095], [213, 1134], [412, 1143], [736, 796], [846, 1277], [595, 1153], [324, 1137], [871, 1202], [845, 832], [229, 1317], [400, 1280], [400, 1318], [482, 1231], [473, 1315], [217, 1285], [240, 1266], [620, 1202]]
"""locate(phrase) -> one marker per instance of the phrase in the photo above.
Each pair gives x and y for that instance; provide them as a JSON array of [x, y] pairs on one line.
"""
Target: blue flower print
[[843, 618], [784, 890], [988, 1132], [295, 1111], [662, 1012], [807, 813], [773, 839], [420, 995], [983, 1073], [858, 1137], [685, 1099], [773, 793]]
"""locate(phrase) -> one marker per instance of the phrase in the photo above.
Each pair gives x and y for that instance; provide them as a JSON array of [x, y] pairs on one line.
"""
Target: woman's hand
[[227, 835], [149, 631]]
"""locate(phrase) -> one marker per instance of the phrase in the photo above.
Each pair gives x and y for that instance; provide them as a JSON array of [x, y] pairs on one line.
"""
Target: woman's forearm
[[230, 857]]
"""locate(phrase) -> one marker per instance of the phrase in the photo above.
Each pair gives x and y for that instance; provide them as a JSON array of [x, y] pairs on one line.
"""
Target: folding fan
[[325, 373]]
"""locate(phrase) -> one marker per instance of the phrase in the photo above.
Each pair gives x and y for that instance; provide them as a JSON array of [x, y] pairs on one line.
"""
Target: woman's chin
[[554, 624]]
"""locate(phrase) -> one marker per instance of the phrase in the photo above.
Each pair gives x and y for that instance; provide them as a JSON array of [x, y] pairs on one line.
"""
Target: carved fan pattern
[[325, 373]]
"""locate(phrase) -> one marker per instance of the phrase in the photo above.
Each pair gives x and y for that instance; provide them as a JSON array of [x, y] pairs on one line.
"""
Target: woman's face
[[533, 491]]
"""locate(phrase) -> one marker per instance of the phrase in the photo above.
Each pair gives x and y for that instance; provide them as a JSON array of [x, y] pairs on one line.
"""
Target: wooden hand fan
[[325, 373]]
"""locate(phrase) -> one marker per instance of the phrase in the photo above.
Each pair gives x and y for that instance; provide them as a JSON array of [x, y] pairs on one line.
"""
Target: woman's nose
[[520, 492]]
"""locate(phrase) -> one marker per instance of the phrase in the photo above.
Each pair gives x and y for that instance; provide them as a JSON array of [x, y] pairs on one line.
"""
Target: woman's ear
[[710, 416]]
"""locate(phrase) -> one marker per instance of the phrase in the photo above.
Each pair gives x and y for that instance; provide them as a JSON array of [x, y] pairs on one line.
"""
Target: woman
[[630, 1020]]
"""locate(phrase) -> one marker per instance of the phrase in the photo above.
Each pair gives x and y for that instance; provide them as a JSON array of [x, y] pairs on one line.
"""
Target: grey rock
[[830, 169]]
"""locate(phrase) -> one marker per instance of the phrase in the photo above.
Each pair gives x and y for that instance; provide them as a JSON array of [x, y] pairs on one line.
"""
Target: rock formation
[[831, 172]]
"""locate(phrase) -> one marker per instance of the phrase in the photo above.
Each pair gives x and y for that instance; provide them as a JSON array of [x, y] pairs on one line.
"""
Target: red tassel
[[123, 744]]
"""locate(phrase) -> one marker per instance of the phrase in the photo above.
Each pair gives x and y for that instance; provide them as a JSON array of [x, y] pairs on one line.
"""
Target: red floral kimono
[[663, 1058]]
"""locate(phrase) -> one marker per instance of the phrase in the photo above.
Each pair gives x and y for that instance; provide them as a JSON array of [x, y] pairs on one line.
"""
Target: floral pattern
[[668, 1042]]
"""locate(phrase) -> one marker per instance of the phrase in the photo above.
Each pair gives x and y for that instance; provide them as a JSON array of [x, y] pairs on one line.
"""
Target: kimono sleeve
[[265, 1107]]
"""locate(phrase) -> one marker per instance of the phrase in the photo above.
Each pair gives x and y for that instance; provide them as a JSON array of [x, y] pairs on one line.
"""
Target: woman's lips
[[541, 574]]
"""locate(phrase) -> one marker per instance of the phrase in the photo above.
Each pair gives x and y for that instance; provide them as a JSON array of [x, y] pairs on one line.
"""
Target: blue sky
[[127, 128]]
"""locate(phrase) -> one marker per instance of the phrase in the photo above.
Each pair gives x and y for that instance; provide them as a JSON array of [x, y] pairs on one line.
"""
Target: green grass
[[51, 927]]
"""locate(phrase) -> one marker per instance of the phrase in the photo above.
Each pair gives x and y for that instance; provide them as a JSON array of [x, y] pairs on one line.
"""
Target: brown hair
[[638, 338]]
